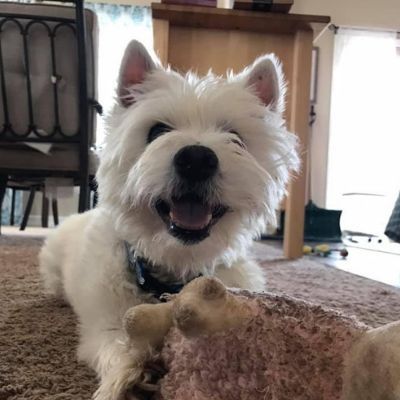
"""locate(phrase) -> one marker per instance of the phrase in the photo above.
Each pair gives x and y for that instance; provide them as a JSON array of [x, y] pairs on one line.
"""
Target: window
[[364, 147], [118, 25]]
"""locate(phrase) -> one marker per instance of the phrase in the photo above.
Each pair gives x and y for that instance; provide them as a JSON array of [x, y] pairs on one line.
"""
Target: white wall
[[382, 14]]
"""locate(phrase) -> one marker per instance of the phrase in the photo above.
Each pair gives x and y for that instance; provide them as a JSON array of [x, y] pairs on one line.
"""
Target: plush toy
[[216, 344]]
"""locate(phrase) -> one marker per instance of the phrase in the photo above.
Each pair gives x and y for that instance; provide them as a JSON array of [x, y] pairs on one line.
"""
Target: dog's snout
[[196, 163]]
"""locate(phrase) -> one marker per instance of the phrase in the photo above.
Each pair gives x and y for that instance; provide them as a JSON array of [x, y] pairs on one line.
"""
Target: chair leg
[[93, 188], [83, 196], [3, 186], [95, 198], [45, 209], [12, 212], [28, 208], [54, 205]]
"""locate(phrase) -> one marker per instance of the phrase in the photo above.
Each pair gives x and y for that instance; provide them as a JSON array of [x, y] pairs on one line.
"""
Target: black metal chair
[[48, 56]]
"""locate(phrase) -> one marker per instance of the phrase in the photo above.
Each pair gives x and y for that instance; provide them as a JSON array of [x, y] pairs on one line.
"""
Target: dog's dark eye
[[157, 130], [239, 140]]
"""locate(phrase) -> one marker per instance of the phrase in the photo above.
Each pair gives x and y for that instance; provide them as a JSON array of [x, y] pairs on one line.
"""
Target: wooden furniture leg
[[295, 203]]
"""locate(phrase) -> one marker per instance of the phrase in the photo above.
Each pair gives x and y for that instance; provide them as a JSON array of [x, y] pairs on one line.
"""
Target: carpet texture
[[38, 334], [288, 350]]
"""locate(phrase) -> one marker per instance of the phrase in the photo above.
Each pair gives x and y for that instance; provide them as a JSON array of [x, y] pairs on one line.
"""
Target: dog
[[193, 169]]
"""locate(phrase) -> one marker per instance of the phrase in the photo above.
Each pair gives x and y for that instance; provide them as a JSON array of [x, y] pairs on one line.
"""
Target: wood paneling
[[161, 39], [190, 49]]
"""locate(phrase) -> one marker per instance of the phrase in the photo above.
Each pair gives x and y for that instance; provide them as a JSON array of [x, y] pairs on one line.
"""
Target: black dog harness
[[141, 269]]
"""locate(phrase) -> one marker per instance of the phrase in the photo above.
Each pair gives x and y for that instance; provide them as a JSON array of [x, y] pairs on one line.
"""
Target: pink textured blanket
[[291, 350]]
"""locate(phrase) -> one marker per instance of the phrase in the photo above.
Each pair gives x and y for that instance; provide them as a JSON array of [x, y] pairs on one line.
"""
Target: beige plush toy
[[216, 344]]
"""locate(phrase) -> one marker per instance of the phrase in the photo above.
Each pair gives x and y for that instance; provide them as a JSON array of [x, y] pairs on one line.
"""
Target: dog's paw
[[148, 385], [142, 391], [118, 383], [140, 382]]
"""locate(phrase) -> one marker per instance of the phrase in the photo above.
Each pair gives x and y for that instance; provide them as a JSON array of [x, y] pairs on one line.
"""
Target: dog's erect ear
[[136, 64], [266, 78]]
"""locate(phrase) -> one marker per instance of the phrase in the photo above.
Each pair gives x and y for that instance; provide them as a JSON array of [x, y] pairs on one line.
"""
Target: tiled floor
[[372, 260]]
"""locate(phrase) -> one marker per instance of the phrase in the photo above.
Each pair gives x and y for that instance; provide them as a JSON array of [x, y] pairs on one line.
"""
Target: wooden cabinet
[[200, 38]]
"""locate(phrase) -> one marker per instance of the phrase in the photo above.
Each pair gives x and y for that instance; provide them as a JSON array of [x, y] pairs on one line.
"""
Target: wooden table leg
[[301, 78]]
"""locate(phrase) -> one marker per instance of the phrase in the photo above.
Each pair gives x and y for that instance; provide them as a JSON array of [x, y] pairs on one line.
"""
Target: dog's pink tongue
[[190, 215]]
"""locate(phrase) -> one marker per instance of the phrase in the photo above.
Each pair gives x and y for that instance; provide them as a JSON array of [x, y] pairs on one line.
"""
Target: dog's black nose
[[196, 163]]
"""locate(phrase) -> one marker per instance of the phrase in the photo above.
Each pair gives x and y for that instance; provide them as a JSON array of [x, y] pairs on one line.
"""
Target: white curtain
[[364, 147], [118, 25]]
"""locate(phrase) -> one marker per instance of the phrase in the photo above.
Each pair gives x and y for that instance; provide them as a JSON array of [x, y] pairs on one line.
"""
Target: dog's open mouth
[[189, 218]]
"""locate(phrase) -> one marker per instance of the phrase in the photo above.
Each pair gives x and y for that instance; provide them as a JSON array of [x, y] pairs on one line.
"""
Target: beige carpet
[[38, 339]]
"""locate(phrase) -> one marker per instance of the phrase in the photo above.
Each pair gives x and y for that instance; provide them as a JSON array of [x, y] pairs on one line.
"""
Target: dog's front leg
[[119, 364]]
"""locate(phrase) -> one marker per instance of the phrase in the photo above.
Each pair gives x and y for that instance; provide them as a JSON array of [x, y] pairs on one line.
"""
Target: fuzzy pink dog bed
[[290, 350], [219, 345]]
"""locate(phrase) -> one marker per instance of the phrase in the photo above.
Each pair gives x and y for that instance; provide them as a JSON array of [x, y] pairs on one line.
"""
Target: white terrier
[[193, 170]]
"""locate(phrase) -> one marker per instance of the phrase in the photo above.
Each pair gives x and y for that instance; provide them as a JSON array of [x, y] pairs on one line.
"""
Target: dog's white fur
[[85, 261]]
